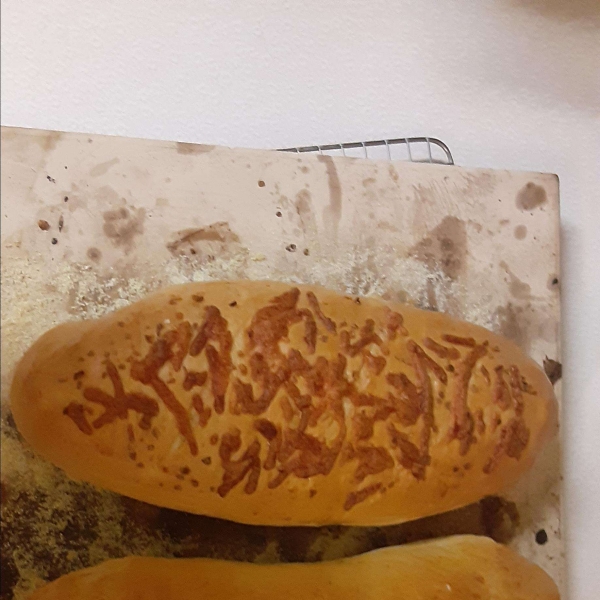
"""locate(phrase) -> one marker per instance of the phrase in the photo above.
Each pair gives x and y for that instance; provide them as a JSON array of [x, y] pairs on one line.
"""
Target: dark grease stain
[[553, 369], [305, 212], [333, 212], [520, 232], [444, 248], [531, 196], [518, 289], [48, 142], [122, 226], [185, 148], [217, 236], [94, 254], [512, 324]]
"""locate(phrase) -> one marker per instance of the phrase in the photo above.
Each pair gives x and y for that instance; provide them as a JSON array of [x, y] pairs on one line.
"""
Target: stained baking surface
[[92, 223]]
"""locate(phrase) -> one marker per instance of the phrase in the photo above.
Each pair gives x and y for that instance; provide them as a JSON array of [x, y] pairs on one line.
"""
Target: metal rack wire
[[413, 149]]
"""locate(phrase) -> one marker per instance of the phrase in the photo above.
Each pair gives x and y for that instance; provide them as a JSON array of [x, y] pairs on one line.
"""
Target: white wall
[[506, 83]]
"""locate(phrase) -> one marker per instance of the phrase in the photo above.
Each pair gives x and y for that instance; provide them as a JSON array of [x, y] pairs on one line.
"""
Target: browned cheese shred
[[462, 420]]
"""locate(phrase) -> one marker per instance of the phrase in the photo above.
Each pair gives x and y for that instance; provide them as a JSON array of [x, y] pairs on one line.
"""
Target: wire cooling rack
[[413, 149]]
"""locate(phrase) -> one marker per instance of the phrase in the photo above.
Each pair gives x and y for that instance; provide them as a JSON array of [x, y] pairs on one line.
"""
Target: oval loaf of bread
[[265, 403], [455, 568]]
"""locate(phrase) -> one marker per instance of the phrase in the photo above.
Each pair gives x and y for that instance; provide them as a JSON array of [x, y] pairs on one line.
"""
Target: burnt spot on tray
[[541, 537]]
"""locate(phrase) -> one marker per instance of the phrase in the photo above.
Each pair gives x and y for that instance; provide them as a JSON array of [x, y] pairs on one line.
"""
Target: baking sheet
[[91, 223]]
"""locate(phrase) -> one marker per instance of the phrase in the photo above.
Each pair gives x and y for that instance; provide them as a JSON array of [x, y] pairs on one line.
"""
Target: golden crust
[[461, 567], [266, 403]]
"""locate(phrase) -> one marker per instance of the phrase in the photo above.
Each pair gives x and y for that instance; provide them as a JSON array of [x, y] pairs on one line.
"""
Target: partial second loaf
[[456, 568]]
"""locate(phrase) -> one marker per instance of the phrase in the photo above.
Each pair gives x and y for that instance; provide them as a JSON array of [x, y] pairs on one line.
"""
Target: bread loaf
[[266, 403], [456, 568]]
